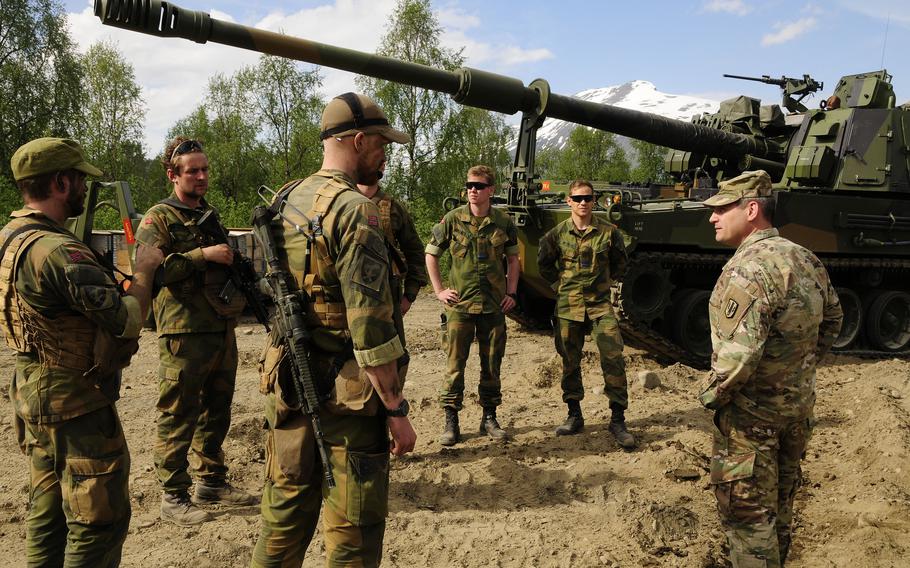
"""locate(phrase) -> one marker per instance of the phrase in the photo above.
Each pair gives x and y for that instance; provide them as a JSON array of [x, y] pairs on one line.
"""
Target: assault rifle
[[291, 328], [243, 276]]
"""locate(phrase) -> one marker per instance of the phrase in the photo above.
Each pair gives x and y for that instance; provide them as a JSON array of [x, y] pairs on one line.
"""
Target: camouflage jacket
[[478, 246], [60, 278], [180, 306], [774, 314], [580, 266], [348, 276], [399, 228]]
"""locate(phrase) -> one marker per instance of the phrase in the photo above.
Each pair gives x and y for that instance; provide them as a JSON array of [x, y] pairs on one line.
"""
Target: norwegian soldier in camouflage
[[478, 237], [73, 332], [196, 342], [581, 257], [774, 314], [354, 352], [408, 272]]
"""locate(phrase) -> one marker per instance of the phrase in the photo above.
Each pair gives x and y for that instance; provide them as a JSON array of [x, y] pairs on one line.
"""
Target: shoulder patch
[[735, 305], [373, 220]]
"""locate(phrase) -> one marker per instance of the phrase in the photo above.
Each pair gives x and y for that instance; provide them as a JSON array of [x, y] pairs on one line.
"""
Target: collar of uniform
[[175, 201], [593, 226], [465, 215], [330, 173], [759, 236]]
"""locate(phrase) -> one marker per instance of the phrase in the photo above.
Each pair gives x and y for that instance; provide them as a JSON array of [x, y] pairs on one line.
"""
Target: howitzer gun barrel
[[471, 87]]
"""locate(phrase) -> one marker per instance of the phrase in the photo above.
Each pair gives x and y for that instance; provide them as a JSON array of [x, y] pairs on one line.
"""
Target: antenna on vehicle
[[885, 40]]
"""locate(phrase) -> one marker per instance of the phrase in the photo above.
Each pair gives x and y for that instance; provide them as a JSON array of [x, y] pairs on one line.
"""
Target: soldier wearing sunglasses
[[196, 342], [581, 257], [478, 237]]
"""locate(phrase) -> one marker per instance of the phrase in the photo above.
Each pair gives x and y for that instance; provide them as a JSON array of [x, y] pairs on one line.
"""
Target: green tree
[[650, 166], [40, 78], [592, 154]]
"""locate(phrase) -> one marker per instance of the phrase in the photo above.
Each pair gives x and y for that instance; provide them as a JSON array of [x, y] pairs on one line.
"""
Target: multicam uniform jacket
[[477, 245], [64, 308], [774, 314], [399, 228], [186, 302], [581, 266]]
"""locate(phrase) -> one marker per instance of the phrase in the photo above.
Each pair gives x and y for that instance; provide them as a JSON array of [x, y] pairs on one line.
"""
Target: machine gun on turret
[[792, 88]]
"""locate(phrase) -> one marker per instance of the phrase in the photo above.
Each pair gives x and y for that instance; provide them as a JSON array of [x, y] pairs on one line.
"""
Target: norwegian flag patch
[[76, 256], [373, 220]]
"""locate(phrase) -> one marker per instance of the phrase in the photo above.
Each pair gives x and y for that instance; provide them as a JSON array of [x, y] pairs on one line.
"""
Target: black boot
[[451, 434], [490, 426], [574, 422], [618, 427]]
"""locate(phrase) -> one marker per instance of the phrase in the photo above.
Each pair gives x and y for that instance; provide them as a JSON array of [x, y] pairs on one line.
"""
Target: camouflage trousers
[[196, 379], [353, 523], [458, 332], [570, 340], [79, 506], [755, 472]]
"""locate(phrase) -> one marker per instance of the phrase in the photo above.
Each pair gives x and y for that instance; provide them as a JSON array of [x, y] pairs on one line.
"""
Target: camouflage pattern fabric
[[581, 265], [570, 340], [60, 278], [774, 314], [79, 506], [478, 246], [180, 307], [406, 242], [351, 270], [195, 388], [353, 522], [459, 331]]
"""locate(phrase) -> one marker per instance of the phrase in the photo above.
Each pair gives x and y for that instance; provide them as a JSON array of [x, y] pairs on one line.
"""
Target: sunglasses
[[476, 185], [581, 198], [184, 147]]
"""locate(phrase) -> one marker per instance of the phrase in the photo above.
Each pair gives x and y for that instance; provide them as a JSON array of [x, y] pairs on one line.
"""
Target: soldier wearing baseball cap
[[351, 322], [67, 371], [755, 184]]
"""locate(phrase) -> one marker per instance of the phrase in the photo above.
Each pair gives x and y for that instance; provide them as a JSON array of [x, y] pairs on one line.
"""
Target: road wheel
[[888, 320], [690, 324], [853, 318]]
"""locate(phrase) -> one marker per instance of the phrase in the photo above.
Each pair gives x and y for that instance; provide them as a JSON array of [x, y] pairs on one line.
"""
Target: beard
[[75, 202]]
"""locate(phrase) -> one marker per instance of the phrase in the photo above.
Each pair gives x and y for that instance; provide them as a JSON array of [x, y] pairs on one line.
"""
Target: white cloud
[[735, 7], [786, 31], [457, 34], [893, 10]]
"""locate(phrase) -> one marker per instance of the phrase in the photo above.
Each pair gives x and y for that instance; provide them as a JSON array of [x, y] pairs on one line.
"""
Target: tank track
[[640, 335]]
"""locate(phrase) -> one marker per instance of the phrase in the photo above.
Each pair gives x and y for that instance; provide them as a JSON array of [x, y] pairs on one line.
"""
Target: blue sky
[[683, 47]]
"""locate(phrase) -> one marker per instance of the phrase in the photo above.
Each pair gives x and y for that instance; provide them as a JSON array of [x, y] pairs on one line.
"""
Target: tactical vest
[[213, 281], [71, 341], [399, 265]]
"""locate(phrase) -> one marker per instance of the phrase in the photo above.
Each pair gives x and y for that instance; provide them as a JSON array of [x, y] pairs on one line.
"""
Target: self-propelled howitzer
[[841, 172]]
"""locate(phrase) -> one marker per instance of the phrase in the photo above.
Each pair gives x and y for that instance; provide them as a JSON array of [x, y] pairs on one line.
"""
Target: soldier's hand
[[403, 435], [448, 297], [222, 254], [405, 306], [508, 302], [148, 258]]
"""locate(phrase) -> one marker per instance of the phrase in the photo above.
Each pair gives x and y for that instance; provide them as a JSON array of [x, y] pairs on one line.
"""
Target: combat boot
[[490, 426], [223, 493], [451, 434], [574, 422], [618, 428], [177, 508]]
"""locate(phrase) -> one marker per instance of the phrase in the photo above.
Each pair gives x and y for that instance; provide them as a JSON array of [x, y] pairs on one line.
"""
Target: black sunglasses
[[476, 185], [581, 198], [184, 147]]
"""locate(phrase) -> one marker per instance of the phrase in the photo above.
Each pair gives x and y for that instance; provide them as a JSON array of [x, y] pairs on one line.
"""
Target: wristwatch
[[401, 411]]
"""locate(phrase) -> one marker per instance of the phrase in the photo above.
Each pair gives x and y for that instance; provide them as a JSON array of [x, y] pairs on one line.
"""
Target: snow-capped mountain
[[635, 95]]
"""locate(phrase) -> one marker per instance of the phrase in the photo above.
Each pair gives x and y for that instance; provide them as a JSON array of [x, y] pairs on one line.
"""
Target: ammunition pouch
[[219, 290]]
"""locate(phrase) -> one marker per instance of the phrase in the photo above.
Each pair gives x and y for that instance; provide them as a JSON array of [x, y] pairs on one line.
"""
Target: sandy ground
[[540, 500]]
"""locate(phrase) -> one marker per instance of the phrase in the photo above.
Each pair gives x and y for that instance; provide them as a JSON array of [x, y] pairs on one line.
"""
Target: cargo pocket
[[269, 364], [726, 471], [170, 399], [353, 392], [367, 488], [95, 489]]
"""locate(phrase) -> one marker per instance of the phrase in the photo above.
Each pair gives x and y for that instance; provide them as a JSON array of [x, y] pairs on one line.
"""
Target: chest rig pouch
[[219, 290]]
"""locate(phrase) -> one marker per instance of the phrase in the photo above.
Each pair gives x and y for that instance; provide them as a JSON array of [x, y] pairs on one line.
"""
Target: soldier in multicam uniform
[[73, 331], [581, 257], [344, 273], [478, 237], [774, 314], [405, 253], [196, 341]]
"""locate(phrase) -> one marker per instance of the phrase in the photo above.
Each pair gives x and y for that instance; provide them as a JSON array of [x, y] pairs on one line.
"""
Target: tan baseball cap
[[47, 155], [351, 113], [747, 184]]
